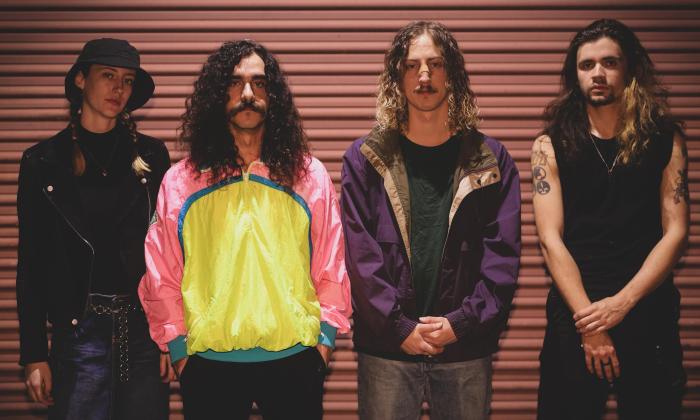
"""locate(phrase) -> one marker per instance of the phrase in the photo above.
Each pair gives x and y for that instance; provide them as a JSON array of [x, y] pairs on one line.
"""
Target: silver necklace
[[600, 155]]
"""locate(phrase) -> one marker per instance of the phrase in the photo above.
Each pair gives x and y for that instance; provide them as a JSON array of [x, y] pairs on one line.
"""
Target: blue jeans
[[85, 369], [391, 389]]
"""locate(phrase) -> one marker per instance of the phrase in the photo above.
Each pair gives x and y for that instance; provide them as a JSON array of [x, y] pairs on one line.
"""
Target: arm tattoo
[[538, 173], [539, 158], [542, 187], [681, 190], [539, 162]]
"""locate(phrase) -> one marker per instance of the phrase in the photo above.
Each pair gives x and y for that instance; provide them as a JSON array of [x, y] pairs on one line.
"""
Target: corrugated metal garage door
[[333, 52]]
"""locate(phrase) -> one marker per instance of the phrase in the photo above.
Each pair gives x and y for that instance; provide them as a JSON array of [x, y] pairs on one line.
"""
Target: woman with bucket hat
[[84, 203]]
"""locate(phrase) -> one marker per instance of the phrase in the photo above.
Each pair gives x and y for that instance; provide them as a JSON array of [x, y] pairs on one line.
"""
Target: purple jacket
[[481, 256]]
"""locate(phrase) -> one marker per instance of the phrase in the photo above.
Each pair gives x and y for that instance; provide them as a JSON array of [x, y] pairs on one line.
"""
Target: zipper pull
[[246, 174]]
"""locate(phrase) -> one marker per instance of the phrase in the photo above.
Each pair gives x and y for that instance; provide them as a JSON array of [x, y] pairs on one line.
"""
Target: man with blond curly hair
[[431, 213]]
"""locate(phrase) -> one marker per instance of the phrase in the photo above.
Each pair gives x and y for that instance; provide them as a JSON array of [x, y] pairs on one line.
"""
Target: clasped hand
[[601, 315], [601, 358], [429, 337]]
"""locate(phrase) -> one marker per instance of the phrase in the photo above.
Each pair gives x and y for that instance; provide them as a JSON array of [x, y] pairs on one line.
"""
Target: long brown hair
[[645, 111]]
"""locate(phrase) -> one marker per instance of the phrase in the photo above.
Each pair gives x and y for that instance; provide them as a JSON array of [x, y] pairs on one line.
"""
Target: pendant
[[104, 172]]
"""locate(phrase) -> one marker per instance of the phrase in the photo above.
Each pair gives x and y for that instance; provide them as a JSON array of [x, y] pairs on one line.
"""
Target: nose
[[598, 71], [247, 93], [119, 84], [424, 73]]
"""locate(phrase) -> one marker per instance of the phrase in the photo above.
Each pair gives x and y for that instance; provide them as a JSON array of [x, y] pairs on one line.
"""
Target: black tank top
[[611, 221]]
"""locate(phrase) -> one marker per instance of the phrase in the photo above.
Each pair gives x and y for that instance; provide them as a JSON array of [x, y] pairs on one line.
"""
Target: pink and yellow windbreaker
[[243, 264]]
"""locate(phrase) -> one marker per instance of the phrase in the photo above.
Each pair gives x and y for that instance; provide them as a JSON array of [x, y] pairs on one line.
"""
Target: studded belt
[[118, 307]]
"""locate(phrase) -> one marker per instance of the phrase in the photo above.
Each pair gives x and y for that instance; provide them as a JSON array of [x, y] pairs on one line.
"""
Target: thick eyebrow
[[428, 59], [255, 77], [607, 57]]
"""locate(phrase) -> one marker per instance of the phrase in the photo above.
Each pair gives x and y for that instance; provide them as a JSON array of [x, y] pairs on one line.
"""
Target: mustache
[[425, 89], [242, 106]]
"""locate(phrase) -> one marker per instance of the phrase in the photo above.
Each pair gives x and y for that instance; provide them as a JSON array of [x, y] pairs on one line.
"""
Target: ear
[[79, 80]]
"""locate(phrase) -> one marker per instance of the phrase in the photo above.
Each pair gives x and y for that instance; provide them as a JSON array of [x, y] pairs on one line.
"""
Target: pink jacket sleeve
[[160, 291], [328, 259]]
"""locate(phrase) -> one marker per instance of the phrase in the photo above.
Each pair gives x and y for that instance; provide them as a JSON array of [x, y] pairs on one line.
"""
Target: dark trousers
[[651, 381], [85, 367], [289, 388]]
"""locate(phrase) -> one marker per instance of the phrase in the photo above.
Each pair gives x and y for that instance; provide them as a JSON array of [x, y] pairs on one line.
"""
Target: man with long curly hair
[[246, 283], [611, 205], [431, 211]]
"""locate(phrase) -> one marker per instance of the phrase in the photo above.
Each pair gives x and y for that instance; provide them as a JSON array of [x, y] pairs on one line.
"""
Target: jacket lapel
[[59, 183], [132, 187], [475, 170], [383, 152]]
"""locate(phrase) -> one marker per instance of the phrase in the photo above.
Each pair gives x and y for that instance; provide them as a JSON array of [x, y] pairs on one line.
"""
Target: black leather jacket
[[55, 256]]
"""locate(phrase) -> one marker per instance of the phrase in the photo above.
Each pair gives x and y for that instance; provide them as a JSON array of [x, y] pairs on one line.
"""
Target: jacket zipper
[[449, 228], [92, 249]]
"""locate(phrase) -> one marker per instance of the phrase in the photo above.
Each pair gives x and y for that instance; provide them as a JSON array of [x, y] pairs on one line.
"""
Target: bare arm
[[606, 313], [599, 349], [549, 217]]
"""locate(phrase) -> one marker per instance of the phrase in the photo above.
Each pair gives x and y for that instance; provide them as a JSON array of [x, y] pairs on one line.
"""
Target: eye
[[260, 84], [437, 64], [610, 63], [108, 75], [129, 82], [585, 65], [236, 83], [411, 66]]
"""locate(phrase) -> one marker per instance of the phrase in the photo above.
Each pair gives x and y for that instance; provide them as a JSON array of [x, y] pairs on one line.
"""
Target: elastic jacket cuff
[[404, 328], [458, 322], [327, 336], [178, 348]]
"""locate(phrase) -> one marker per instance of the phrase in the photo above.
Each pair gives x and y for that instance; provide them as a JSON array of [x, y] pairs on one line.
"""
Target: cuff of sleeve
[[458, 322], [327, 336], [40, 354], [178, 348], [37, 359], [405, 327]]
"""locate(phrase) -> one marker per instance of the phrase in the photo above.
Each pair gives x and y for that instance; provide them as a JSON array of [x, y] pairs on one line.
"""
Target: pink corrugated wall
[[332, 51]]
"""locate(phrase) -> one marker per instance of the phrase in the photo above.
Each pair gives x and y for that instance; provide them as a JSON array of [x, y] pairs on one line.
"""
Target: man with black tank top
[[611, 206]]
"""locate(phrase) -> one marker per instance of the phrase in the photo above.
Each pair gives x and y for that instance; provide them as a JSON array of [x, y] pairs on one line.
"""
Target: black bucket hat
[[117, 53]]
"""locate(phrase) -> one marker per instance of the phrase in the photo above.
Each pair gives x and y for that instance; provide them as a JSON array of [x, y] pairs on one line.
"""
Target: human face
[[106, 90], [600, 67], [424, 79], [247, 94]]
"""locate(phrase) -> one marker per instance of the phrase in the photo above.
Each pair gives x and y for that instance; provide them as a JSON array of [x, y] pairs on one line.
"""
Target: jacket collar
[[62, 189], [382, 150]]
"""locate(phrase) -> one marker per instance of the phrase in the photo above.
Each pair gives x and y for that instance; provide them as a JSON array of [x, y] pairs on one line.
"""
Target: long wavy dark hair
[[392, 107], [205, 125], [645, 111]]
